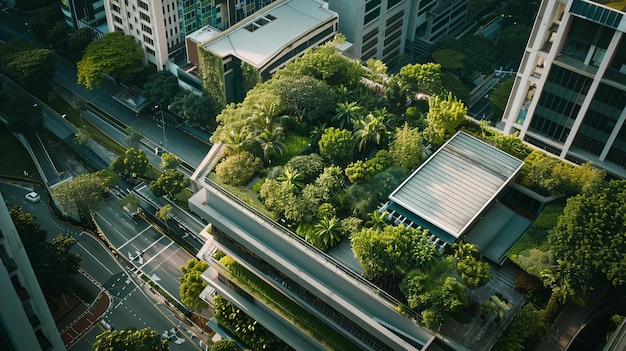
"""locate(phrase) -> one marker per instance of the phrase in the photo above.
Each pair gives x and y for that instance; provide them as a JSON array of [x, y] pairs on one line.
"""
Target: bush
[[309, 166], [527, 284], [238, 169]]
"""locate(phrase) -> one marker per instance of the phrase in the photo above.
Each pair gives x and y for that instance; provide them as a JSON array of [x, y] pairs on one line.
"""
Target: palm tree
[[271, 141], [378, 220], [344, 94], [327, 233], [346, 112], [239, 138], [292, 177], [372, 128], [269, 114], [316, 133]]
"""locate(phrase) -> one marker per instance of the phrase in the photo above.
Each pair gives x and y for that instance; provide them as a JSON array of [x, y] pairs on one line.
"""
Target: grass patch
[[294, 145], [244, 194], [536, 237], [14, 159]]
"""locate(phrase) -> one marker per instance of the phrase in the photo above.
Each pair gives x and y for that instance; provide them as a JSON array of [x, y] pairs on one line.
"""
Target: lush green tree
[[445, 114], [170, 183], [116, 55], [407, 148], [305, 96], [31, 67], [82, 136], [396, 94], [385, 253], [169, 161], [330, 182], [362, 199], [528, 322], [477, 55], [377, 70], [513, 39], [161, 87], [449, 58], [378, 220], [46, 19], [436, 295], [164, 214], [195, 110], [589, 239], [133, 136], [132, 164], [238, 168], [79, 40], [191, 285], [309, 166], [451, 83], [474, 271], [225, 345], [130, 339], [58, 36], [326, 63], [271, 142], [499, 98], [337, 146], [422, 77], [360, 172], [371, 128], [130, 202], [79, 196], [23, 115], [52, 262], [275, 194]]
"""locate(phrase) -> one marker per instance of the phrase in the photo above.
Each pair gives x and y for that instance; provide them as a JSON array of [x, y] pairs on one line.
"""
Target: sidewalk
[[568, 323]]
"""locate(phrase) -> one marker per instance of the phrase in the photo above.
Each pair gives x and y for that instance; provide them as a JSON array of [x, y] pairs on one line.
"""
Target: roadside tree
[[169, 161], [79, 41], [84, 193], [170, 183], [130, 339], [133, 136], [195, 110], [161, 87], [23, 115], [132, 164], [115, 55], [130, 202]]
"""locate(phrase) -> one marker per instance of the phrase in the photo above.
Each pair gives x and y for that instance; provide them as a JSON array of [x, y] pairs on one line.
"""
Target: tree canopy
[[84, 193], [116, 55], [445, 114], [25, 63], [195, 110], [407, 148], [337, 146], [132, 164], [170, 183], [589, 239], [130, 339], [161, 87]]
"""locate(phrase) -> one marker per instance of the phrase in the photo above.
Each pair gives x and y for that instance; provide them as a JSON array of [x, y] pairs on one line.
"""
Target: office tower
[[569, 96], [25, 319], [78, 13]]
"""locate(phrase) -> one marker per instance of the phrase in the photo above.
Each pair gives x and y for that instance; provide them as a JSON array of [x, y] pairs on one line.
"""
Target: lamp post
[[163, 126]]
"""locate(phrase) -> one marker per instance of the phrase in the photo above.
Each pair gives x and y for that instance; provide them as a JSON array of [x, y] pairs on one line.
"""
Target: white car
[[33, 197]]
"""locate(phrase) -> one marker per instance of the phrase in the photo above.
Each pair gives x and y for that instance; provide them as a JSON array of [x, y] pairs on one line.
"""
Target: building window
[[392, 3], [150, 51], [144, 17], [371, 16], [371, 4], [142, 5], [146, 29]]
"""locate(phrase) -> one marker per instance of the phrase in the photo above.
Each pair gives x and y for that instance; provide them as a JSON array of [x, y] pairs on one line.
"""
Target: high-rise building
[[569, 96], [87, 11], [160, 26], [25, 319]]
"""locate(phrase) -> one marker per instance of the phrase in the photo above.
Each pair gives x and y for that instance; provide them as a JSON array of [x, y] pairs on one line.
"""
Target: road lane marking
[[134, 237], [94, 257], [158, 253]]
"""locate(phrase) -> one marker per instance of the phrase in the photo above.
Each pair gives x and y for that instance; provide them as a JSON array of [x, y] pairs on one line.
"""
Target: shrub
[[238, 169]]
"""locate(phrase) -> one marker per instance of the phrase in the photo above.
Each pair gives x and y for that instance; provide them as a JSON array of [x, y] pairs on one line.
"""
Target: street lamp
[[163, 126]]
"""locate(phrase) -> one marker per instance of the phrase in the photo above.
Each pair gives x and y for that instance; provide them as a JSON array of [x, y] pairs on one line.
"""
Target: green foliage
[[211, 69], [337, 146], [407, 148], [536, 235], [499, 98], [161, 87], [79, 40], [130, 339], [527, 283], [449, 58], [396, 94], [225, 345], [58, 35], [22, 116], [391, 252], [360, 172], [25, 63], [445, 114], [191, 285], [41, 24], [512, 39], [534, 261], [84, 193], [327, 233], [170, 183], [362, 199], [439, 297], [169, 161], [130, 202], [478, 54], [346, 112], [132, 164], [326, 63], [552, 177], [116, 55], [238, 169], [373, 127], [309, 166], [474, 271], [589, 239], [53, 263], [496, 306], [195, 110], [305, 96], [422, 78], [133, 136]]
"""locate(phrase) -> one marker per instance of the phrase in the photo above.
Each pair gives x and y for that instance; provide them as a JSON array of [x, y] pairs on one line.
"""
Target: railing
[[374, 290]]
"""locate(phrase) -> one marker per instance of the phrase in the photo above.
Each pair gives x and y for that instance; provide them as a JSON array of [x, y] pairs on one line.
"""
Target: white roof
[[456, 183], [273, 29]]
